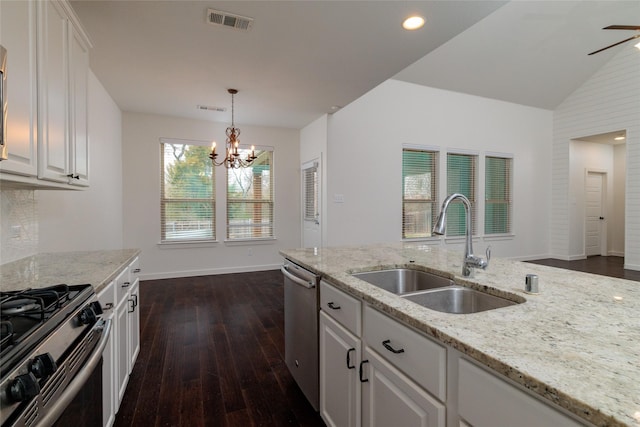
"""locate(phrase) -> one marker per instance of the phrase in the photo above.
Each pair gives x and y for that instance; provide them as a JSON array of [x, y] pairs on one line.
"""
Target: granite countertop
[[97, 268], [576, 343]]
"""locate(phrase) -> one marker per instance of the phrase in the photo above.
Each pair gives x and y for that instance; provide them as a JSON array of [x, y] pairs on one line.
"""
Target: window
[[187, 199], [497, 205], [250, 198], [310, 188], [461, 178], [419, 192]]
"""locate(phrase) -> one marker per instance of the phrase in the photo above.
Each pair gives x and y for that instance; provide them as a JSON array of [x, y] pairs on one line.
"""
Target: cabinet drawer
[[342, 307], [487, 400], [123, 283], [107, 298], [134, 270], [419, 357]]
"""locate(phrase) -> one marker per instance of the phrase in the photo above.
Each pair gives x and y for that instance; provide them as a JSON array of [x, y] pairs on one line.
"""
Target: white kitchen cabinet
[[485, 399], [18, 36], [106, 297], [358, 386], [63, 69], [122, 341], [133, 325], [390, 398], [340, 394]]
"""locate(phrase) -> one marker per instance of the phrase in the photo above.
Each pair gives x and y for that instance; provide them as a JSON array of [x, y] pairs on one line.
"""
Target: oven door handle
[[81, 377]]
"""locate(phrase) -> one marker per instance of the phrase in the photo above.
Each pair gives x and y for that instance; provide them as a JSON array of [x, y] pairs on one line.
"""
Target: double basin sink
[[432, 291]]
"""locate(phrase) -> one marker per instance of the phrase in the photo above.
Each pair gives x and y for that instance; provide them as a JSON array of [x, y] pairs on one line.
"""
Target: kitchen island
[[575, 344]]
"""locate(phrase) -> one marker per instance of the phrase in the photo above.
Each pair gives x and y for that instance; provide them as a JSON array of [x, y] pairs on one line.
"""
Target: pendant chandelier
[[232, 159]]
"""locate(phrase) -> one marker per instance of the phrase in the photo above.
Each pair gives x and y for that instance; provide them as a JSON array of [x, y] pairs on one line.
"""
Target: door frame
[[317, 163]]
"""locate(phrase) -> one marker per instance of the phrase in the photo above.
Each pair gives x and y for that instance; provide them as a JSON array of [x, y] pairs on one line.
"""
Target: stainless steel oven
[[52, 341]]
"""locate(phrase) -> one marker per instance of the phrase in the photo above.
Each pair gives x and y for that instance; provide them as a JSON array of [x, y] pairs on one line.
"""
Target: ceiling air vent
[[218, 17], [211, 108]]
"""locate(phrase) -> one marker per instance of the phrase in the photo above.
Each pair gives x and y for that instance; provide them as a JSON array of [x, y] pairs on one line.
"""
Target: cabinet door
[[133, 328], [106, 297], [339, 382], [389, 398], [122, 349], [79, 82], [18, 36], [53, 78]]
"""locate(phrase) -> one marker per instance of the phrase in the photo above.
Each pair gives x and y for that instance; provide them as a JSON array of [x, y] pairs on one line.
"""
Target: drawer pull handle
[[363, 380], [136, 270], [387, 345], [349, 366], [125, 285], [107, 306], [333, 306]]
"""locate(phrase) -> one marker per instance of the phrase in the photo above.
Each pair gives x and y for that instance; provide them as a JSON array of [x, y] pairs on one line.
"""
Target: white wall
[[141, 172], [89, 219], [313, 145], [365, 160], [594, 157], [607, 102], [616, 232]]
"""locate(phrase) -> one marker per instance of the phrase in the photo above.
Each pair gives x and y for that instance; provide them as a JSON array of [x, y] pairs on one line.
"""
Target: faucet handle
[[488, 253]]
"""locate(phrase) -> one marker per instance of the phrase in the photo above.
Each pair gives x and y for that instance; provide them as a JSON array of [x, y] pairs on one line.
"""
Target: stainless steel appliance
[[51, 343], [3, 103], [301, 328]]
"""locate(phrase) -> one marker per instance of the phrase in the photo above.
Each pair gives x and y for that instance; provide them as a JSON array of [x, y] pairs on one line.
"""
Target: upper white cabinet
[[47, 85], [18, 36], [62, 96]]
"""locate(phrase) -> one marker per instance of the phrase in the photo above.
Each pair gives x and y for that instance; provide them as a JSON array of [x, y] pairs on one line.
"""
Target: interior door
[[594, 214], [311, 232]]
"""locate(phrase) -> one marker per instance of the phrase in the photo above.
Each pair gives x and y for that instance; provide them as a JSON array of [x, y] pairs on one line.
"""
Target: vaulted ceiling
[[301, 58]]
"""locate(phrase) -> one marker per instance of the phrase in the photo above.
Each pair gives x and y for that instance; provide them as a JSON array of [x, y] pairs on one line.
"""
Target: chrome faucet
[[470, 260]]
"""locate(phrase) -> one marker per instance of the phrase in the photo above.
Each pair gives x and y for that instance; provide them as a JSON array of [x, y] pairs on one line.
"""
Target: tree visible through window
[[250, 198], [497, 205], [419, 192], [461, 178], [187, 200]]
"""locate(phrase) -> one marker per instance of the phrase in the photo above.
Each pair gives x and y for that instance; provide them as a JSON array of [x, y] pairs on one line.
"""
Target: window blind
[[461, 178], [419, 192], [498, 197], [187, 199], [310, 188], [250, 198]]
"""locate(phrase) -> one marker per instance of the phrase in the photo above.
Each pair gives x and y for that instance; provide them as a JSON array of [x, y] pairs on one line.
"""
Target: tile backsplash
[[18, 224]]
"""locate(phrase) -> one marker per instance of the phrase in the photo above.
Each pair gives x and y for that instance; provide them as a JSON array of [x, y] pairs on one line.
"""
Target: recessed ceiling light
[[413, 22], [638, 46]]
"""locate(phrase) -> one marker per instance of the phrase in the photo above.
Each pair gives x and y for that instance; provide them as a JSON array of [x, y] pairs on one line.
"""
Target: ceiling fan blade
[[622, 27], [615, 44]]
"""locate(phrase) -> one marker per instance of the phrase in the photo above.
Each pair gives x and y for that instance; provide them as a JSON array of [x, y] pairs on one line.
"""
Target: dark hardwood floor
[[212, 354], [612, 266]]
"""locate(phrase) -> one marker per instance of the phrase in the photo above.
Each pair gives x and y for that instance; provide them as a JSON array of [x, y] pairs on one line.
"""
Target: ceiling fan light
[[413, 22]]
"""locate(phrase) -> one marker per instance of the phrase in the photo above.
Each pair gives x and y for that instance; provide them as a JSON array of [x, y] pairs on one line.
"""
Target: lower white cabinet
[[390, 398], [339, 383], [119, 301]]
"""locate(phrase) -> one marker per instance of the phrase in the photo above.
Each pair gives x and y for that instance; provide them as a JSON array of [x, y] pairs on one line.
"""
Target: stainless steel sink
[[403, 280], [458, 300]]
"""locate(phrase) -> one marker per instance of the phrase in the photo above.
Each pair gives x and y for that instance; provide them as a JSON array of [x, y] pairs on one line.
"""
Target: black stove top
[[27, 316]]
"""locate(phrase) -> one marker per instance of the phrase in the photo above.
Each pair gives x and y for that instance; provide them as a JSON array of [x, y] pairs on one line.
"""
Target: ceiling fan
[[620, 27]]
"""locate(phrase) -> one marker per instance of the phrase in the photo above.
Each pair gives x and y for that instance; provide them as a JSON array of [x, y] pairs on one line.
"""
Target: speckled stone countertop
[[576, 343], [97, 268]]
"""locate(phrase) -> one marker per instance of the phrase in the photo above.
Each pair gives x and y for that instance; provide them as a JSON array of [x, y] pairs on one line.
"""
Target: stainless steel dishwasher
[[301, 328]]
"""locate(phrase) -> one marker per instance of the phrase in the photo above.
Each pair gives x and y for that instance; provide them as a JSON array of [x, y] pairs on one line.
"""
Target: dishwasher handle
[[296, 279]]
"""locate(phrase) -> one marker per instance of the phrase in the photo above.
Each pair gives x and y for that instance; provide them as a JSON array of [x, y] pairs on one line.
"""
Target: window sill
[[432, 240], [257, 241], [497, 237], [188, 244]]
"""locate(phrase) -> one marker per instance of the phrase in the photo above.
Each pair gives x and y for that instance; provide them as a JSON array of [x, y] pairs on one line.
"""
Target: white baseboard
[[208, 272], [635, 267], [615, 253]]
